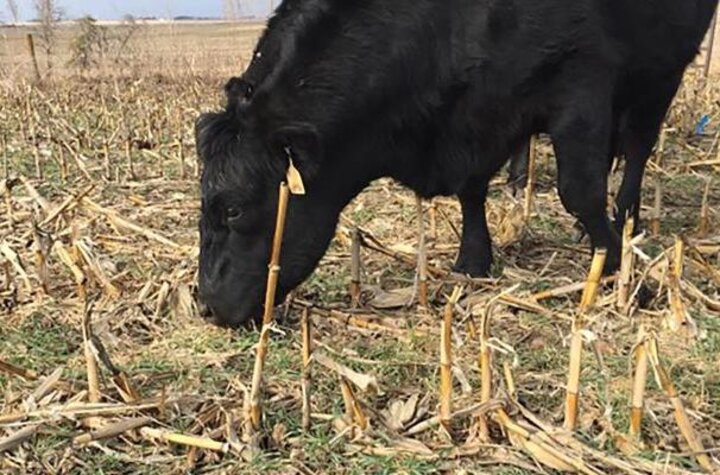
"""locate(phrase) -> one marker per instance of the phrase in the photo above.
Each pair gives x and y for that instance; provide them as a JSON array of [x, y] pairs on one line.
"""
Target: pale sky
[[115, 9]]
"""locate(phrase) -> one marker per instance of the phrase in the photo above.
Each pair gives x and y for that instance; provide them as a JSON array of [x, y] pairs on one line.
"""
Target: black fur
[[436, 94]]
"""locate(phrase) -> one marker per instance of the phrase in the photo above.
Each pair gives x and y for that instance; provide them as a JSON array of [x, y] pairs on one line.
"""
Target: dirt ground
[[99, 222]]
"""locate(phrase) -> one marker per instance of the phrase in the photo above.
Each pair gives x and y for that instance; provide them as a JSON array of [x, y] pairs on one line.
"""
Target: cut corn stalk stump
[[576, 343], [446, 360], [486, 387], [657, 208], [704, 225], [639, 383], [626, 268], [530, 187], [422, 274], [355, 269], [306, 336]]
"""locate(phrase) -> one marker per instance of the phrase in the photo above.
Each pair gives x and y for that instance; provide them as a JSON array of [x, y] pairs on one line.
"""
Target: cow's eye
[[233, 213]]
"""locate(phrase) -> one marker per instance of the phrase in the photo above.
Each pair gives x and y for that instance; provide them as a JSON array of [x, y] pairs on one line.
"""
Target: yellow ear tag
[[294, 180]]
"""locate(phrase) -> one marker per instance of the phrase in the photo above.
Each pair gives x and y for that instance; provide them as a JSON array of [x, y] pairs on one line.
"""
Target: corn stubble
[[120, 199], [572, 394]]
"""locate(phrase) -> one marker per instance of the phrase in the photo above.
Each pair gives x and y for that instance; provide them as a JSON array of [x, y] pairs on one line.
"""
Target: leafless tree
[[13, 9], [48, 15], [95, 43], [90, 44], [232, 9]]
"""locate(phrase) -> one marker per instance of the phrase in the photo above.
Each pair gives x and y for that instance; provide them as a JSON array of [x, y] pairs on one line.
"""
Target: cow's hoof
[[476, 270], [612, 263], [620, 227]]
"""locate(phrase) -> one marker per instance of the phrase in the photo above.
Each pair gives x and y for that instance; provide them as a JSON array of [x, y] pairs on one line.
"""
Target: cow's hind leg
[[644, 120], [475, 257], [582, 140], [519, 167]]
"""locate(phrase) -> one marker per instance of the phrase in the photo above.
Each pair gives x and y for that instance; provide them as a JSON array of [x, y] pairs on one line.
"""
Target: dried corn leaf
[[364, 382]]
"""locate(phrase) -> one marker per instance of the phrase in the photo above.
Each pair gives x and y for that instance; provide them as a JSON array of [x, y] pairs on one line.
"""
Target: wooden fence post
[[31, 48]]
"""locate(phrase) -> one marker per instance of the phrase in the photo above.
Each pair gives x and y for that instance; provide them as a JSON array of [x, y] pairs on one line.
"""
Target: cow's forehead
[[223, 173], [231, 177]]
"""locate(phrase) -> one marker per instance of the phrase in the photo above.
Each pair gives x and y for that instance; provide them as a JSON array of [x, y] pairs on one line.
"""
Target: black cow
[[436, 94], [634, 136]]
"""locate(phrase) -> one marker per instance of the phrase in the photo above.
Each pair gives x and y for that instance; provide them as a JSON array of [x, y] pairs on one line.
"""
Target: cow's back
[[426, 77], [659, 36]]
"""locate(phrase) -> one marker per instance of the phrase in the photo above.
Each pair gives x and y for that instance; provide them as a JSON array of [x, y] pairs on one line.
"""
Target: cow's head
[[244, 161]]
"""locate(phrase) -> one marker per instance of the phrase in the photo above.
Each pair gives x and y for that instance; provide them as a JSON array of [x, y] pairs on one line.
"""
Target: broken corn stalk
[[541, 447], [681, 416], [181, 439], [112, 430], [353, 411]]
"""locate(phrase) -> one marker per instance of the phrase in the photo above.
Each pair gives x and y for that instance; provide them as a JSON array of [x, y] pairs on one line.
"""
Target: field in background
[[163, 48], [101, 199]]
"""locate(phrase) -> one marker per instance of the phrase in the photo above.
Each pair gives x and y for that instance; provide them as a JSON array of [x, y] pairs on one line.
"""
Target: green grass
[[392, 465], [41, 343], [329, 287], [559, 233], [708, 346], [52, 440]]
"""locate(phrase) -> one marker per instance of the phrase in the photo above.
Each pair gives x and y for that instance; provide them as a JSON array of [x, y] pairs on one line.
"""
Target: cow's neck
[[342, 65]]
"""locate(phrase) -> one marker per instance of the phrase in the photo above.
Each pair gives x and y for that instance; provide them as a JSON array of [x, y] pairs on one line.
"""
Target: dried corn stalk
[[681, 416], [110, 431], [657, 208], [306, 375], [91, 366], [639, 382], [182, 439], [355, 268], [626, 267], [422, 274], [704, 226], [262, 347], [446, 360], [588, 300], [530, 187]]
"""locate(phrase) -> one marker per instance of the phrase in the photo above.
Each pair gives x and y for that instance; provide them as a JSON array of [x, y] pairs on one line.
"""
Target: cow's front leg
[[475, 257]]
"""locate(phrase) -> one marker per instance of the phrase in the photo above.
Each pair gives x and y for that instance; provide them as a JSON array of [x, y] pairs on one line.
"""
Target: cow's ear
[[301, 144], [216, 136]]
